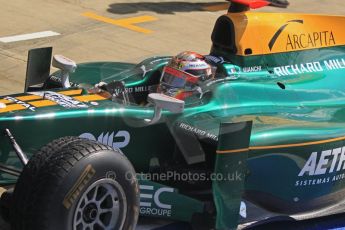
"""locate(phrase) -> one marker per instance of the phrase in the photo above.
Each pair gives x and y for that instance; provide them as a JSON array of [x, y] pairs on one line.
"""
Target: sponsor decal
[[19, 102], [310, 67], [243, 210], [324, 167], [63, 100], [33, 101], [137, 89], [82, 181], [108, 138], [201, 65], [150, 201], [233, 70], [145, 71], [58, 80], [280, 30], [303, 40], [199, 132], [214, 59], [310, 40], [251, 69]]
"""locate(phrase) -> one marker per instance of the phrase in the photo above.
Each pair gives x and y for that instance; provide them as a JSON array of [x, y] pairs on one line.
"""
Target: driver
[[185, 74]]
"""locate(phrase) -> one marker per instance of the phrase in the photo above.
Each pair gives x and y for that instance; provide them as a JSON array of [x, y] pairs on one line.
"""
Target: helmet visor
[[176, 78], [202, 74]]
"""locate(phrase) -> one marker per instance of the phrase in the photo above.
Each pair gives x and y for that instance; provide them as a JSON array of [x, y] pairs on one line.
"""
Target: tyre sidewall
[[103, 164]]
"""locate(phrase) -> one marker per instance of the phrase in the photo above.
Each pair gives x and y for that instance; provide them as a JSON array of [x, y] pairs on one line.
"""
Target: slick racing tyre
[[74, 184]]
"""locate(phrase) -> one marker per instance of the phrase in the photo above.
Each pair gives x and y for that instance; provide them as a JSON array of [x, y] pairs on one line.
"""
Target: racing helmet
[[184, 74]]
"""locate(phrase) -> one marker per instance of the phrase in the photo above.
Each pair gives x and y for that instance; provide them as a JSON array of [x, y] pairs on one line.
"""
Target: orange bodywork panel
[[268, 33]]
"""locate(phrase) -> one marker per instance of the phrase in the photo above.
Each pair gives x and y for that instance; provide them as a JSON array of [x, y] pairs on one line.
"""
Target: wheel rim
[[102, 206]]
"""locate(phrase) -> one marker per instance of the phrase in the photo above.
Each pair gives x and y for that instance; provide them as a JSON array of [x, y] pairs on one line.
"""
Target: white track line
[[24, 37]]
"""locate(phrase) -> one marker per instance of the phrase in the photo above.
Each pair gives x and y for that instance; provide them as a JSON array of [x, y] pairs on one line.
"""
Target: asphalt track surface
[[125, 31]]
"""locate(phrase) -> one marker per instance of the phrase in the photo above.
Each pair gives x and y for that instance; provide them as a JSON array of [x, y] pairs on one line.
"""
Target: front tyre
[[82, 186], [102, 206]]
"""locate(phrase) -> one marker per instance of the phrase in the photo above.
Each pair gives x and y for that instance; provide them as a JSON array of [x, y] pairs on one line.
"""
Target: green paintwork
[[309, 109], [233, 168], [167, 202]]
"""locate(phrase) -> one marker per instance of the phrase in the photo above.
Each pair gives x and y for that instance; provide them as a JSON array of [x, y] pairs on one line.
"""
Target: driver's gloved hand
[[98, 88], [101, 85]]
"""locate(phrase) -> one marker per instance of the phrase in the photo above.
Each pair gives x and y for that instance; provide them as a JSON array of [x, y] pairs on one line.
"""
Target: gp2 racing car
[[262, 141]]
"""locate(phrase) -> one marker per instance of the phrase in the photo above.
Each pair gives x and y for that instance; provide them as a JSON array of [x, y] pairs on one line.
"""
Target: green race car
[[262, 141]]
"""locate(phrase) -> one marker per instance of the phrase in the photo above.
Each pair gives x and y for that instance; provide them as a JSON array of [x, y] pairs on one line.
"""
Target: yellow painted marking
[[5, 101], [216, 7], [29, 97], [283, 146], [92, 97], [12, 107], [42, 103], [125, 22], [71, 92]]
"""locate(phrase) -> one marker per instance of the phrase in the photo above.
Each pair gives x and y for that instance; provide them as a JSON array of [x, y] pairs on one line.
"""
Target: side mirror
[[161, 101], [66, 66]]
